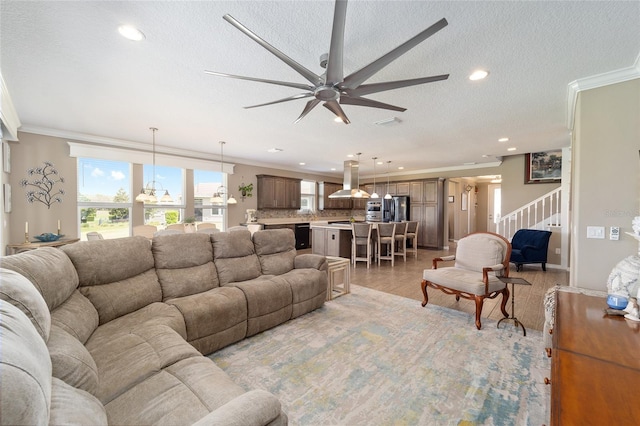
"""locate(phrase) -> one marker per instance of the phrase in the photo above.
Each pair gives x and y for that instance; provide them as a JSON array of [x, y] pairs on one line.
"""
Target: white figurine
[[633, 313]]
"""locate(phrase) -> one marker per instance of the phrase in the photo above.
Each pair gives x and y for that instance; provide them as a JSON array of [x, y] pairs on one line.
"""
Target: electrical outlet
[[614, 233], [595, 232], [558, 250]]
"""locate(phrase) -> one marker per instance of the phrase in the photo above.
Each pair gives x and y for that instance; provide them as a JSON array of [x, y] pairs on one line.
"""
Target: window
[[308, 195], [205, 184], [104, 197], [165, 180]]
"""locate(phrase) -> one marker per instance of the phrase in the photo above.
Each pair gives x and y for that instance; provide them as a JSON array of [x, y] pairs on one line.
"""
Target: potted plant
[[245, 190], [189, 224]]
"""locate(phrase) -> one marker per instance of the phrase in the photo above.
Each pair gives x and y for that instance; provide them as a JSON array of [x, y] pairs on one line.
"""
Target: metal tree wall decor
[[44, 180]]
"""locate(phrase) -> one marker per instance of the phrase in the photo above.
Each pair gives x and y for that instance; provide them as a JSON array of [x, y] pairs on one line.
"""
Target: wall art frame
[[6, 157], [6, 194], [543, 167]]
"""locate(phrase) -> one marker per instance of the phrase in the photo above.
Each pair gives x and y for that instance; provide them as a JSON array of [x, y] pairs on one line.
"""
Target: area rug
[[371, 358]]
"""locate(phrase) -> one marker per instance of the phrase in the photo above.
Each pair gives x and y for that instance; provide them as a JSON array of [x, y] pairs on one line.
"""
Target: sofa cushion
[[18, 291], [462, 280], [215, 318], [71, 406], [276, 249], [308, 289], [117, 276], [129, 358], [49, 270], [269, 302], [235, 256], [184, 264], [77, 316], [182, 393], [71, 361], [25, 370], [254, 408]]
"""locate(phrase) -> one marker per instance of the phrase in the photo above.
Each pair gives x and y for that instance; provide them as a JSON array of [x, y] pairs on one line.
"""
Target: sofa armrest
[[254, 408], [314, 261]]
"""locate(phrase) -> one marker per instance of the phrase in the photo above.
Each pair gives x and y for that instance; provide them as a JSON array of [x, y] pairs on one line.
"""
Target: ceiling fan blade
[[312, 77], [262, 80], [308, 107], [290, 98], [357, 78], [336, 49], [366, 89], [335, 108], [347, 100]]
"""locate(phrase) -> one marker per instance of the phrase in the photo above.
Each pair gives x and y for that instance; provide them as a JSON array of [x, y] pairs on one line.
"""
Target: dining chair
[[361, 239], [412, 237], [400, 238], [207, 231], [92, 236], [146, 231], [176, 227], [167, 232], [206, 225], [386, 240]]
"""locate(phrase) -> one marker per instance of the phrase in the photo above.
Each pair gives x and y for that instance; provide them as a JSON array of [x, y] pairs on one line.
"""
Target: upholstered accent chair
[[146, 231], [480, 259], [530, 246], [361, 243]]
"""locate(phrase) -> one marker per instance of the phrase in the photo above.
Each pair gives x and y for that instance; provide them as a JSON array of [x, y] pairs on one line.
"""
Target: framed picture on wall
[[6, 189], [6, 157], [543, 167]]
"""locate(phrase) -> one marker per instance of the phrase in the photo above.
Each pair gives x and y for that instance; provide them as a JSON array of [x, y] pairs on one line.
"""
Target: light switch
[[595, 232], [614, 233]]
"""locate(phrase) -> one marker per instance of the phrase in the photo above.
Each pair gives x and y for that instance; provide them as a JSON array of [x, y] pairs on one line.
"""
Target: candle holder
[[26, 237]]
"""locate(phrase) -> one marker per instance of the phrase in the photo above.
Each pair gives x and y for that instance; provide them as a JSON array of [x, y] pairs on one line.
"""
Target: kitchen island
[[331, 239]]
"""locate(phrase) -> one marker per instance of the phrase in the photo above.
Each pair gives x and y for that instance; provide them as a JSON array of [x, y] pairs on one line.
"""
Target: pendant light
[[387, 196], [358, 194], [374, 194], [148, 192], [220, 194]]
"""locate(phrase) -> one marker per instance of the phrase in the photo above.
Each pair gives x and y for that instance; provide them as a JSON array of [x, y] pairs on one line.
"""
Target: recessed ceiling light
[[503, 140], [131, 33], [486, 155], [333, 169], [275, 150], [513, 148], [478, 75], [303, 164], [380, 162], [350, 155], [400, 168]]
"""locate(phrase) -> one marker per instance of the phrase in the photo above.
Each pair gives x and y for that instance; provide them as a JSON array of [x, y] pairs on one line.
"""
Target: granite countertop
[[311, 220]]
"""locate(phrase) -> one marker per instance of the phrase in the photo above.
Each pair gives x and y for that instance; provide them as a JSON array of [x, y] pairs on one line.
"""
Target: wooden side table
[[338, 265], [32, 245]]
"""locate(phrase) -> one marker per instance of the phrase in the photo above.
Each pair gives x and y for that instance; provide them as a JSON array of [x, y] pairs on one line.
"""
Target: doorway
[[494, 206]]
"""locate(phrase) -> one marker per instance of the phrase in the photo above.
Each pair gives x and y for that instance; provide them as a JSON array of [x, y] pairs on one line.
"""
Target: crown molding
[[593, 82]]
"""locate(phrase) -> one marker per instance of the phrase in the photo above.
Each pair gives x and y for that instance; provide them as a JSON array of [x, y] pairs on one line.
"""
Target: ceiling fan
[[332, 87]]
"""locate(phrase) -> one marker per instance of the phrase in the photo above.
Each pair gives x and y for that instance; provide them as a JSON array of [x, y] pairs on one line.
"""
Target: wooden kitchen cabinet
[[403, 188], [331, 242], [415, 192], [325, 203], [275, 192]]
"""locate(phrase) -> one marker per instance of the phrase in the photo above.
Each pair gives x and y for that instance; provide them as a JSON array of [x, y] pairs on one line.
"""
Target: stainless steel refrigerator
[[396, 209]]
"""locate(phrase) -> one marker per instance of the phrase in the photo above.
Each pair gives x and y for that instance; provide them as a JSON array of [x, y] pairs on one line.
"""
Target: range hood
[[350, 184]]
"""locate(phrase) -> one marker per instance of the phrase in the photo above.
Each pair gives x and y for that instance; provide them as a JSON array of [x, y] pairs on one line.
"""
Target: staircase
[[541, 213]]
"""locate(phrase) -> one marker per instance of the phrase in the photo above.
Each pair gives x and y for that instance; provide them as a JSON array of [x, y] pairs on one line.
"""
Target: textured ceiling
[[68, 69]]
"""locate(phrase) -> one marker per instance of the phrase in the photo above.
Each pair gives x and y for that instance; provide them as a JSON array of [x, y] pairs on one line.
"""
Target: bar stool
[[386, 237], [400, 238], [361, 233], [412, 235]]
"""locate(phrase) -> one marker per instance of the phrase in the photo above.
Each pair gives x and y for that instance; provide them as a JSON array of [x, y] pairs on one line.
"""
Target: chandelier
[[220, 194], [148, 192]]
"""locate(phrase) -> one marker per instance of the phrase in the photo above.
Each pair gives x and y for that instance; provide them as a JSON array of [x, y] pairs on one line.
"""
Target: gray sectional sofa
[[114, 331]]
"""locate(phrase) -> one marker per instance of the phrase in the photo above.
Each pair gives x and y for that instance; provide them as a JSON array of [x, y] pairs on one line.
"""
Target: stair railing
[[541, 213]]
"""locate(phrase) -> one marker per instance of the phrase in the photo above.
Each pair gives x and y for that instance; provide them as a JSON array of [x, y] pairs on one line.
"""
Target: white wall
[[605, 187]]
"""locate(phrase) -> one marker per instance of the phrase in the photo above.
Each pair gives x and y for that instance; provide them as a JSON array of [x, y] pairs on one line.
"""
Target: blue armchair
[[530, 246]]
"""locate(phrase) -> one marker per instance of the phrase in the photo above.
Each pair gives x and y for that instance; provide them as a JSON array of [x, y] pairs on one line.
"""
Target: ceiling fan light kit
[[332, 88]]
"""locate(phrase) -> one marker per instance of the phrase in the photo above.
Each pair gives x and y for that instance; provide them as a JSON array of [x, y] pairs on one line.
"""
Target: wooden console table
[[595, 367], [32, 245]]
